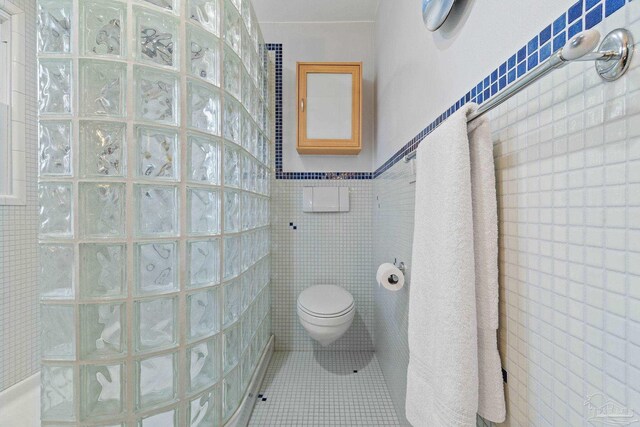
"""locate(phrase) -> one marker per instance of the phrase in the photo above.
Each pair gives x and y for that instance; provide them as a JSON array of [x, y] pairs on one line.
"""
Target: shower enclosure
[[154, 130]]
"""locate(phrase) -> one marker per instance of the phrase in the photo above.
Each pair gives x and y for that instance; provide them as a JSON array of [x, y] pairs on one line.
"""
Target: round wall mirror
[[435, 12]]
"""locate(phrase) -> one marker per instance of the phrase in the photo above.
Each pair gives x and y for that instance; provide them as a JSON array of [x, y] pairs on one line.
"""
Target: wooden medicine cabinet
[[329, 108]]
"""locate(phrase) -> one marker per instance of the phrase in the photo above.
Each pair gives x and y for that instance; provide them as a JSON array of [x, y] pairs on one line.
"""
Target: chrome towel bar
[[612, 61]]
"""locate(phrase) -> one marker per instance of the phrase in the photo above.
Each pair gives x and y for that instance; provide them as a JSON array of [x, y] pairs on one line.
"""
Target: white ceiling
[[315, 10]]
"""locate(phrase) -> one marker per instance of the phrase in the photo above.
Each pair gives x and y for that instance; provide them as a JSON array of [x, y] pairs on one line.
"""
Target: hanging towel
[[491, 402], [453, 317]]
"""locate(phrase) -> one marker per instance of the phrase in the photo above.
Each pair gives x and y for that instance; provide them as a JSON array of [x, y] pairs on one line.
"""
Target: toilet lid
[[325, 300]]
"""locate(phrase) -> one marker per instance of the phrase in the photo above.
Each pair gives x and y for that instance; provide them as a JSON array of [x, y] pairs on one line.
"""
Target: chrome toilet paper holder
[[401, 266]]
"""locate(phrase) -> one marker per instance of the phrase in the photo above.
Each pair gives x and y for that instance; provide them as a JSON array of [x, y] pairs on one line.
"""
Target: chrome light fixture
[[435, 12]]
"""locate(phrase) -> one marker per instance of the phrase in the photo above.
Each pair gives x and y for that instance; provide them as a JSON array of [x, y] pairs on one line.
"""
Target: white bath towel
[[452, 334], [491, 402]]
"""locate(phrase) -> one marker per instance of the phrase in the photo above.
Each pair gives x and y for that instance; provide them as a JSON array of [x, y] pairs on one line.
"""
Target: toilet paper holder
[[393, 279], [401, 266]]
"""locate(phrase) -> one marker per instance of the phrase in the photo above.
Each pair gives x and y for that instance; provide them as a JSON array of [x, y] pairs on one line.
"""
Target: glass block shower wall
[[154, 132]]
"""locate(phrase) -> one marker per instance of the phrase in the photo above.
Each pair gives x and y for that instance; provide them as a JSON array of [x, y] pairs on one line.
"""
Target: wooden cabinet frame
[[330, 146]]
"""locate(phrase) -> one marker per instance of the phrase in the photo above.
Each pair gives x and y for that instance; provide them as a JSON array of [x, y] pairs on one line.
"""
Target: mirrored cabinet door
[[329, 108]]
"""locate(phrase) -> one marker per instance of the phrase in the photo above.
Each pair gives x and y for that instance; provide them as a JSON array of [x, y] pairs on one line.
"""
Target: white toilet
[[326, 312]]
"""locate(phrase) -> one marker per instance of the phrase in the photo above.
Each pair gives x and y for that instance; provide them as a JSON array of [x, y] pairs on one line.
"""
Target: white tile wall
[[568, 167], [326, 248], [19, 357], [393, 218]]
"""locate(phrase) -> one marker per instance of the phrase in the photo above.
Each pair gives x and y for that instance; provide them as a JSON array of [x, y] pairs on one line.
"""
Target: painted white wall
[[315, 10], [420, 74], [323, 42]]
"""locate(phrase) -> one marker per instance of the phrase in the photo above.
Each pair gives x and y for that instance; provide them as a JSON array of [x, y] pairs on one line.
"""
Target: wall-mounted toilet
[[326, 312]]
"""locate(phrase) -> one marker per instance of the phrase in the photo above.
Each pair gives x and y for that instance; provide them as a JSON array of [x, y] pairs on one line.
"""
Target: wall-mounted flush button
[[325, 199]]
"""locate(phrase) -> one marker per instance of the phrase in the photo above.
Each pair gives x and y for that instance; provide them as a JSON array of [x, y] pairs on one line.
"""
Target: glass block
[[157, 98], [103, 27], [55, 210], [156, 267], [156, 321], [231, 125], [248, 289], [245, 130], [237, 4], [232, 73], [203, 103], [102, 331], [204, 56], [265, 212], [157, 213], [102, 389], [231, 392], [232, 302], [250, 250], [245, 330], [204, 211], [54, 95], [164, 4], [246, 213], [247, 49], [255, 102], [157, 38], [245, 177], [246, 369], [203, 309], [163, 419], [232, 257], [58, 336], [56, 393], [255, 31], [232, 26], [246, 14], [253, 139], [204, 364], [231, 211], [231, 166], [254, 70], [247, 89], [54, 26], [102, 149], [157, 150], [155, 381], [262, 149], [204, 262], [104, 88], [56, 271], [259, 178], [204, 160], [204, 409], [54, 148], [103, 210], [103, 270], [207, 13]]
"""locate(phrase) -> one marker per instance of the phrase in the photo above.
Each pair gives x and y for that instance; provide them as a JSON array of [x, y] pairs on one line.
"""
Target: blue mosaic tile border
[[277, 48], [582, 15]]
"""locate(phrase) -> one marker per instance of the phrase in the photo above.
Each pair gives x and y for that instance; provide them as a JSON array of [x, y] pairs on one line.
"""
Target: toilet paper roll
[[390, 277]]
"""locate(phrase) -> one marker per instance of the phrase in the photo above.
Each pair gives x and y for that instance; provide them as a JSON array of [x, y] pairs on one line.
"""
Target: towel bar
[[612, 61]]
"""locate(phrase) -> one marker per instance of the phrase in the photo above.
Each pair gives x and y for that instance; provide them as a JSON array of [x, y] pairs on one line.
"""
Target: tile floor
[[324, 389]]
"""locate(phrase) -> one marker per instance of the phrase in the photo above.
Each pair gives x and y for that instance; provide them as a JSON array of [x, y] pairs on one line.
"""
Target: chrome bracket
[[402, 266], [620, 42]]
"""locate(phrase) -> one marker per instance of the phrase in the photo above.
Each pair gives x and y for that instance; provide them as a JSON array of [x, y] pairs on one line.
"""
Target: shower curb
[[241, 417]]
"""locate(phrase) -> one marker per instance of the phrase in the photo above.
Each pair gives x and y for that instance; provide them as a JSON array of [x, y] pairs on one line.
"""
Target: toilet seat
[[325, 302], [325, 316]]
